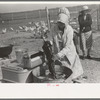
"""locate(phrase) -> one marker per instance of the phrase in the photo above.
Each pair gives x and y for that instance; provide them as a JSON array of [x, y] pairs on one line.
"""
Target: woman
[[85, 22], [63, 45]]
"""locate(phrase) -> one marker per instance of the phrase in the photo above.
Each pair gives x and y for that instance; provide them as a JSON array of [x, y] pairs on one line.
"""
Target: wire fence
[[23, 18]]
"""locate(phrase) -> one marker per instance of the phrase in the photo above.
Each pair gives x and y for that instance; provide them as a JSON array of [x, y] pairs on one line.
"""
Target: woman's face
[[61, 26], [85, 12]]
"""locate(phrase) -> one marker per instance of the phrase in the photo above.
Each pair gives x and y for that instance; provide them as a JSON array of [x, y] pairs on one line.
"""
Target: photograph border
[[71, 92]]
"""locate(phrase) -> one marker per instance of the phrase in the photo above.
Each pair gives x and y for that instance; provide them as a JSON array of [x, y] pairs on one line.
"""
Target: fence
[[23, 18]]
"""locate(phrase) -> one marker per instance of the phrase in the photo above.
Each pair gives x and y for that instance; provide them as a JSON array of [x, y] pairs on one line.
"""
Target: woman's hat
[[65, 11], [63, 18], [86, 8], [64, 15]]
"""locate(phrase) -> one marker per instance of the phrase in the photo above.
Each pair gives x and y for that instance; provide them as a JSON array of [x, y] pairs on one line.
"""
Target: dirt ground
[[26, 40]]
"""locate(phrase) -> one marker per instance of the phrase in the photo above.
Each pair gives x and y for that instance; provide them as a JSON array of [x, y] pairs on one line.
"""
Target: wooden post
[[26, 17], [47, 15], [98, 18], [12, 16], [40, 14]]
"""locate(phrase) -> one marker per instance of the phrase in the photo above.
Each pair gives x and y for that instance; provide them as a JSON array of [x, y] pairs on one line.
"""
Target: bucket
[[62, 68], [19, 55]]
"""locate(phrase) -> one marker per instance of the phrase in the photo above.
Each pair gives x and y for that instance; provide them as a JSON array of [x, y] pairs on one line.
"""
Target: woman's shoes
[[89, 57], [83, 57]]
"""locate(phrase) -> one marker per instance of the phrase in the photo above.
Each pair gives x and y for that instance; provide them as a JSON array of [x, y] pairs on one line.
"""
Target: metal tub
[[5, 50]]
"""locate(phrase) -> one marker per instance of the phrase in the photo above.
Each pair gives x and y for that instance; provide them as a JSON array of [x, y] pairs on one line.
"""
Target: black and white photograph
[[49, 42]]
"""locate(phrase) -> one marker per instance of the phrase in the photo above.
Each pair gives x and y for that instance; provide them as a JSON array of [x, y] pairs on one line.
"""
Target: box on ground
[[16, 74]]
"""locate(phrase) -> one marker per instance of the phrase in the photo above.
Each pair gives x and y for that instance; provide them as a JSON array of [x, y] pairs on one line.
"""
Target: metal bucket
[[19, 55]]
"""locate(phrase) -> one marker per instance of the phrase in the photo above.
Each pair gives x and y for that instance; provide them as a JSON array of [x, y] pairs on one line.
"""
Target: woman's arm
[[54, 39], [66, 49], [88, 21]]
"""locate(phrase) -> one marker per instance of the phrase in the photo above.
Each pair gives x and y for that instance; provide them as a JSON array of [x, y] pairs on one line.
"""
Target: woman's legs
[[89, 42], [83, 44], [88, 53]]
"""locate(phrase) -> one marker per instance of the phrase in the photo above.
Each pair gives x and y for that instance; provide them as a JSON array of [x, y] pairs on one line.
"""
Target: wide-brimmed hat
[[86, 8]]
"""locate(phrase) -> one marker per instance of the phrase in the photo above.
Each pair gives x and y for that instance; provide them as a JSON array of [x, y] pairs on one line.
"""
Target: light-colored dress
[[64, 47]]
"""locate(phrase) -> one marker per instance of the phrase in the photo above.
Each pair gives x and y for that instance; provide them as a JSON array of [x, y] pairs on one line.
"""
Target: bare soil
[[26, 40]]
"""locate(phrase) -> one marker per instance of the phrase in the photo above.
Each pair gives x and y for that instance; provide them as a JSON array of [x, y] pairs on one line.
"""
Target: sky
[[14, 7], [6, 7]]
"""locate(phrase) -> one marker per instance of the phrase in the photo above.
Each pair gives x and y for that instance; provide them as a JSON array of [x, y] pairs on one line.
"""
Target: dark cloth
[[85, 23]]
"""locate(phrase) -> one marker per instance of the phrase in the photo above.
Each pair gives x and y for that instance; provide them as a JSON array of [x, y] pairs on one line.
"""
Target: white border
[[52, 91], [51, 2]]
